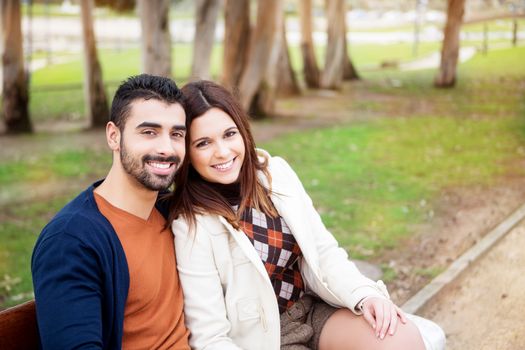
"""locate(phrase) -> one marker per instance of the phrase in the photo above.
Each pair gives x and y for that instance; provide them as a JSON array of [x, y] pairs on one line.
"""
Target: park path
[[483, 308]]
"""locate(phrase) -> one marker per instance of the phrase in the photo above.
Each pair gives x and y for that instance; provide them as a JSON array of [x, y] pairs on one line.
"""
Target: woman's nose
[[221, 150]]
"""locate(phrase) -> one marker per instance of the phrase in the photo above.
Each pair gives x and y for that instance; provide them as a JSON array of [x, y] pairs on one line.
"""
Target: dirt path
[[483, 308], [462, 217]]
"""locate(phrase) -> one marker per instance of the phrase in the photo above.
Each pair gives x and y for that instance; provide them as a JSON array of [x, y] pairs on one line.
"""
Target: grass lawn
[[371, 180]]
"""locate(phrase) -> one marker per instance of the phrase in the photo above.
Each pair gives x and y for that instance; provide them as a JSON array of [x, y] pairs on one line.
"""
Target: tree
[[156, 39], [310, 67], [117, 5], [446, 76], [286, 81], [94, 92], [15, 97], [349, 71], [332, 76], [260, 72], [236, 40], [206, 12]]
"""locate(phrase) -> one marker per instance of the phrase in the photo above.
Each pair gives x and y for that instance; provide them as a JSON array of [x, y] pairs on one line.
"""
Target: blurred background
[[404, 119]]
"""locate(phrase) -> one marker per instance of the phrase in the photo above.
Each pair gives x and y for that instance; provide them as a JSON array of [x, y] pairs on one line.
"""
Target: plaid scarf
[[279, 252]]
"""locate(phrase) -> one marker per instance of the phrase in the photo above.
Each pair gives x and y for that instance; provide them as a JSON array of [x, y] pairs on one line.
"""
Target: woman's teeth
[[223, 166]]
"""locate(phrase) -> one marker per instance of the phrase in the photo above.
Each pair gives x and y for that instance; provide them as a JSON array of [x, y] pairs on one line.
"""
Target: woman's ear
[[113, 136]]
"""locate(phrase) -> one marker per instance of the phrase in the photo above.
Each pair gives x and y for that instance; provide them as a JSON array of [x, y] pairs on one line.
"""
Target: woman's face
[[216, 147]]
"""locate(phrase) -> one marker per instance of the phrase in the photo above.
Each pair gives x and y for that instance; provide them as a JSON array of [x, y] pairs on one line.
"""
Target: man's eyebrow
[[148, 125], [158, 126]]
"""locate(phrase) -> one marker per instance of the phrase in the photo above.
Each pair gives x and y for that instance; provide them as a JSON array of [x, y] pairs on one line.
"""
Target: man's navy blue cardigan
[[80, 278]]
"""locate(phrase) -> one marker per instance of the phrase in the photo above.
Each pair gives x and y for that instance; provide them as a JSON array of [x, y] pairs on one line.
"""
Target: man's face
[[152, 143]]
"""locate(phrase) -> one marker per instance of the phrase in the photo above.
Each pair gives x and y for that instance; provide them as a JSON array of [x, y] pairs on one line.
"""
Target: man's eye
[[178, 134], [148, 132]]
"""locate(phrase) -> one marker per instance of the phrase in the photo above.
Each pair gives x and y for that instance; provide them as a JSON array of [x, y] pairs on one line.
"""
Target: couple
[[257, 269]]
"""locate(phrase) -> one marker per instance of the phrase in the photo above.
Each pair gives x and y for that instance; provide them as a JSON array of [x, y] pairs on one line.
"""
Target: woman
[[258, 268]]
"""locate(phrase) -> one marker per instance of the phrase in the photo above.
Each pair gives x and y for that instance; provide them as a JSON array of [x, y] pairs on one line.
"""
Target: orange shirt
[[153, 316]]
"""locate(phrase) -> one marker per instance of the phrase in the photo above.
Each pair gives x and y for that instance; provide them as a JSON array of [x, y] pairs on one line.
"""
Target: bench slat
[[18, 327]]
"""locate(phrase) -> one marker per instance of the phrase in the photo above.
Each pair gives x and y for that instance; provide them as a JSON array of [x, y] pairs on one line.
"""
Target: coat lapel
[[247, 247], [288, 204]]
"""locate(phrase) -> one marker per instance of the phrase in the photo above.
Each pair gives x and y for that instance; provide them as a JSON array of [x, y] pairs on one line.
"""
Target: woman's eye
[[202, 144], [230, 133]]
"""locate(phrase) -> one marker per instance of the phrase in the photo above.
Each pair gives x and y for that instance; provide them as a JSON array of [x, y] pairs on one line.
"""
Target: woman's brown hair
[[192, 194]]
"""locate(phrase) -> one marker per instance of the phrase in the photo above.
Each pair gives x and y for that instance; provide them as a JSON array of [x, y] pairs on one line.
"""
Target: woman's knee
[[345, 330]]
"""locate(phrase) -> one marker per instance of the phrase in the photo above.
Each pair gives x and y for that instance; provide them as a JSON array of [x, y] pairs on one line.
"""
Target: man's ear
[[113, 136]]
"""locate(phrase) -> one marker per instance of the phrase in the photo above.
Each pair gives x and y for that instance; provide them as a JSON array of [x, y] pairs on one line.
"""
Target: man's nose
[[165, 144]]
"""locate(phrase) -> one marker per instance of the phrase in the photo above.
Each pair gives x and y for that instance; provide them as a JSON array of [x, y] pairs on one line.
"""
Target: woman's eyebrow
[[199, 139]]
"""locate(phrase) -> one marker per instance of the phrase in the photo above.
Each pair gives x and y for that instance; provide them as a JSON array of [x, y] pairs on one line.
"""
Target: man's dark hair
[[143, 86]]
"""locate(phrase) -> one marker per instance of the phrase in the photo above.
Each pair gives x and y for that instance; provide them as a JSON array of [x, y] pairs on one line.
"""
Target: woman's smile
[[224, 166]]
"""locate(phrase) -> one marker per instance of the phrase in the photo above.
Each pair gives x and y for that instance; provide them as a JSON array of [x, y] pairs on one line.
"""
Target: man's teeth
[[160, 165], [224, 165]]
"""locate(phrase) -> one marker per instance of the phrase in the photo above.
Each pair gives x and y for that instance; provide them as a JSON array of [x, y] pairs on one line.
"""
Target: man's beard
[[137, 169]]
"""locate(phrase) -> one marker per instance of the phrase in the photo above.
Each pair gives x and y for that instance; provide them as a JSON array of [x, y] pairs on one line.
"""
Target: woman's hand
[[382, 315]]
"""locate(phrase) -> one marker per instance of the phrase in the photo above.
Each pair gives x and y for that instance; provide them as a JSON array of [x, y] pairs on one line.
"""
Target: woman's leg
[[346, 331]]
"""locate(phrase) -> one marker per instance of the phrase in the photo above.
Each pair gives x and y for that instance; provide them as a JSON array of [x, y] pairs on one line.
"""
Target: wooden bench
[[18, 328]]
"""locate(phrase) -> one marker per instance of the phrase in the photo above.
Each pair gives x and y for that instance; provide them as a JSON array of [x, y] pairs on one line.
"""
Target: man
[[104, 268]]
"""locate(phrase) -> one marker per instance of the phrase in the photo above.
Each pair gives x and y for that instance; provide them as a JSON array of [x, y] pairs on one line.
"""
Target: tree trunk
[[156, 40], [94, 93], [206, 12], [514, 32], [265, 47], [15, 97], [446, 76], [236, 41], [2, 39], [310, 67], [286, 81], [349, 71], [332, 76]]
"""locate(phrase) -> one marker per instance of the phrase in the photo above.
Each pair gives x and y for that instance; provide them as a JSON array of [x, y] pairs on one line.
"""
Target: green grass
[[494, 25], [56, 91], [117, 65], [369, 55], [19, 228], [53, 10], [371, 181], [53, 166]]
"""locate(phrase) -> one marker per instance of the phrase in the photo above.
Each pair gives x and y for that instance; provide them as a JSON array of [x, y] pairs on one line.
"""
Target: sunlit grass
[[57, 90], [371, 181], [53, 166], [19, 229], [117, 65], [494, 25]]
